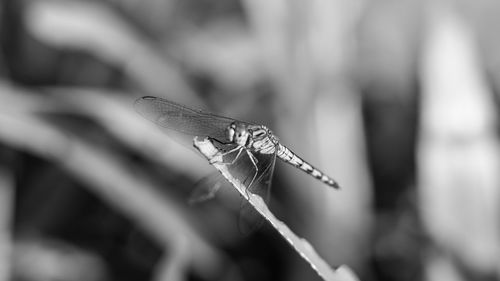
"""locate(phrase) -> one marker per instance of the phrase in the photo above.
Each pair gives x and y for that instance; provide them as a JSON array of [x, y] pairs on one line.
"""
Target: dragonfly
[[248, 150]]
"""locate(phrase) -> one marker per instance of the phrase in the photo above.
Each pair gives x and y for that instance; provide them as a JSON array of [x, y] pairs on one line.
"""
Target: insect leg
[[254, 161], [239, 148]]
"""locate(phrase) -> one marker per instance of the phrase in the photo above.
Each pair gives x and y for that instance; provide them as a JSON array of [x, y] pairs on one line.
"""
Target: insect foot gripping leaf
[[304, 248]]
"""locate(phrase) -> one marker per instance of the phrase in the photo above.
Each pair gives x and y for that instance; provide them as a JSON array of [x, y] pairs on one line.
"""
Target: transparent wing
[[206, 188], [189, 121], [242, 169], [251, 220]]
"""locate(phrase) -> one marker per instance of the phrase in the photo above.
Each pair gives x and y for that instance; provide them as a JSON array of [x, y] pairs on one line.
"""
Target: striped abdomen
[[288, 156]]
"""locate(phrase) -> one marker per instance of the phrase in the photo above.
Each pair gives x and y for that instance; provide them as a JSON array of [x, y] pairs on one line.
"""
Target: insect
[[249, 150]]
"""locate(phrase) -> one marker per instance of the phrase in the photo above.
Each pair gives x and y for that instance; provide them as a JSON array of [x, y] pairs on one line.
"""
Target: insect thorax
[[262, 139]]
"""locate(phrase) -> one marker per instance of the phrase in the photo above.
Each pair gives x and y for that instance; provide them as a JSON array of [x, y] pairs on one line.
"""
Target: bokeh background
[[397, 100]]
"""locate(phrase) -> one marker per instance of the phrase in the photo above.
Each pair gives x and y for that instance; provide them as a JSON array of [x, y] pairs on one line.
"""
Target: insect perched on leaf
[[249, 150]]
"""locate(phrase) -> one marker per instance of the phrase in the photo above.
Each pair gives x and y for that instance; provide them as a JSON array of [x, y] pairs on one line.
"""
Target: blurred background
[[397, 100]]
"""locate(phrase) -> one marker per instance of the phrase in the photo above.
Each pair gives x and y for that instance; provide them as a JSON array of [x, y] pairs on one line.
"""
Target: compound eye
[[230, 133]]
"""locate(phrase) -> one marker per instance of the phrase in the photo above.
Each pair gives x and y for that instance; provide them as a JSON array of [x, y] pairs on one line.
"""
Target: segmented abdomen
[[288, 156]]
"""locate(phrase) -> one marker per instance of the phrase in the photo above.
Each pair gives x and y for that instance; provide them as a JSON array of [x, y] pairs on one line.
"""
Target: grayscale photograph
[[249, 140]]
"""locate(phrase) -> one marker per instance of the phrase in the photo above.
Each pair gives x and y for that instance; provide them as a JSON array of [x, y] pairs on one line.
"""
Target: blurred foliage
[[91, 191]]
